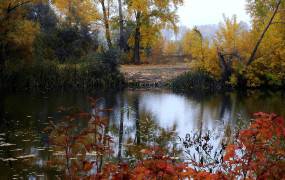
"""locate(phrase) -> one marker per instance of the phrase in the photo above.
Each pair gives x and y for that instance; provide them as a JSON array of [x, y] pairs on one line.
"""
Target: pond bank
[[152, 75]]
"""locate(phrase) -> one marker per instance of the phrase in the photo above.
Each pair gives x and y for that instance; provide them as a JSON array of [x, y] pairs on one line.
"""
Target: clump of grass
[[196, 80]]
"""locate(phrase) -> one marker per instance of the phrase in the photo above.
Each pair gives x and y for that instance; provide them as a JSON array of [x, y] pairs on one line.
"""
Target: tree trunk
[[252, 56], [226, 67], [137, 39], [122, 39], [106, 24]]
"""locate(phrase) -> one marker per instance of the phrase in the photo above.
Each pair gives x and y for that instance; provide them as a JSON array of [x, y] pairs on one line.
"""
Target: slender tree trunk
[[252, 56], [106, 24], [137, 39], [122, 39]]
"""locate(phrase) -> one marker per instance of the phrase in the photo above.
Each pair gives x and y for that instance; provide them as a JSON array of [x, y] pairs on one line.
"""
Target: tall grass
[[196, 80], [51, 75]]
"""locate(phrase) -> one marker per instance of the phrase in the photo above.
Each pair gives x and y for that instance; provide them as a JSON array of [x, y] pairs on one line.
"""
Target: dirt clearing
[[152, 74]]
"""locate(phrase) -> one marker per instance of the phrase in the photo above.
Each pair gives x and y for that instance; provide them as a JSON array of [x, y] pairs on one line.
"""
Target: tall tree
[[105, 5], [154, 15], [121, 21]]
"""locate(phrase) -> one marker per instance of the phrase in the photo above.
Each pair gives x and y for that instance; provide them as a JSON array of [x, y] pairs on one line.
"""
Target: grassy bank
[[51, 75], [197, 80], [201, 80]]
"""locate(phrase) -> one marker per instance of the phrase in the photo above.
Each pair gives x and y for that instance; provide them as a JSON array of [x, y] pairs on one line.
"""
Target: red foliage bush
[[258, 153]]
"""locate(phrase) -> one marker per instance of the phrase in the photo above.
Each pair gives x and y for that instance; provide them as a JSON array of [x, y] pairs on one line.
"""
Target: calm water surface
[[24, 147]]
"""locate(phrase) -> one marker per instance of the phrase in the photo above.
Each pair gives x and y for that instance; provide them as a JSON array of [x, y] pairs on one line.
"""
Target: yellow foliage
[[150, 17], [17, 33], [158, 46], [22, 37], [170, 48], [84, 10], [210, 64], [23, 33], [269, 67], [204, 57], [139, 5], [149, 35], [194, 44], [228, 35]]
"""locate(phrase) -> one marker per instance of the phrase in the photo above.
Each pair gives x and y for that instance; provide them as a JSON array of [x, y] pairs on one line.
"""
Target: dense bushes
[[49, 74], [196, 80]]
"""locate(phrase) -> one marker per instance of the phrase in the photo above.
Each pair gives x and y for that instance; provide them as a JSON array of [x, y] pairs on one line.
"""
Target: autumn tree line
[[239, 56], [68, 34], [80, 42]]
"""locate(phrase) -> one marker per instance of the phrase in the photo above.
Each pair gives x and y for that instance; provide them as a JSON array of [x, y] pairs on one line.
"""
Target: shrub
[[196, 80], [98, 71]]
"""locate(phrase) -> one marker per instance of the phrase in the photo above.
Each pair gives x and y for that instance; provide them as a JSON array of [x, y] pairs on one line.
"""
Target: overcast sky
[[200, 12]]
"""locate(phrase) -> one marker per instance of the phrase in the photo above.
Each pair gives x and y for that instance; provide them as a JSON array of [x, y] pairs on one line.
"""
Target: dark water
[[24, 147]]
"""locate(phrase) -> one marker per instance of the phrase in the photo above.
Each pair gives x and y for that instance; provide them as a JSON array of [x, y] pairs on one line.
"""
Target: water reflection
[[138, 117]]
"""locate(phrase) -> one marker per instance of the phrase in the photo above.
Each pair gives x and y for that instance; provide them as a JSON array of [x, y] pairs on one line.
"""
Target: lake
[[24, 145]]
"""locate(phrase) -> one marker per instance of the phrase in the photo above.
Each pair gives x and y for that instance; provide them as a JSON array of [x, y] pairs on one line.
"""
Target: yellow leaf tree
[[16, 32], [149, 18]]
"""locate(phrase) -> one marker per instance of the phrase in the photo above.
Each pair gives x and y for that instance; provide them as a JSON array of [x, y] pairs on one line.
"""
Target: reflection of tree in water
[[69, 141], [121, 127], [2, 111], [137, 119], [149, 134], [205, 148], [226, 105], [131, 122]]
